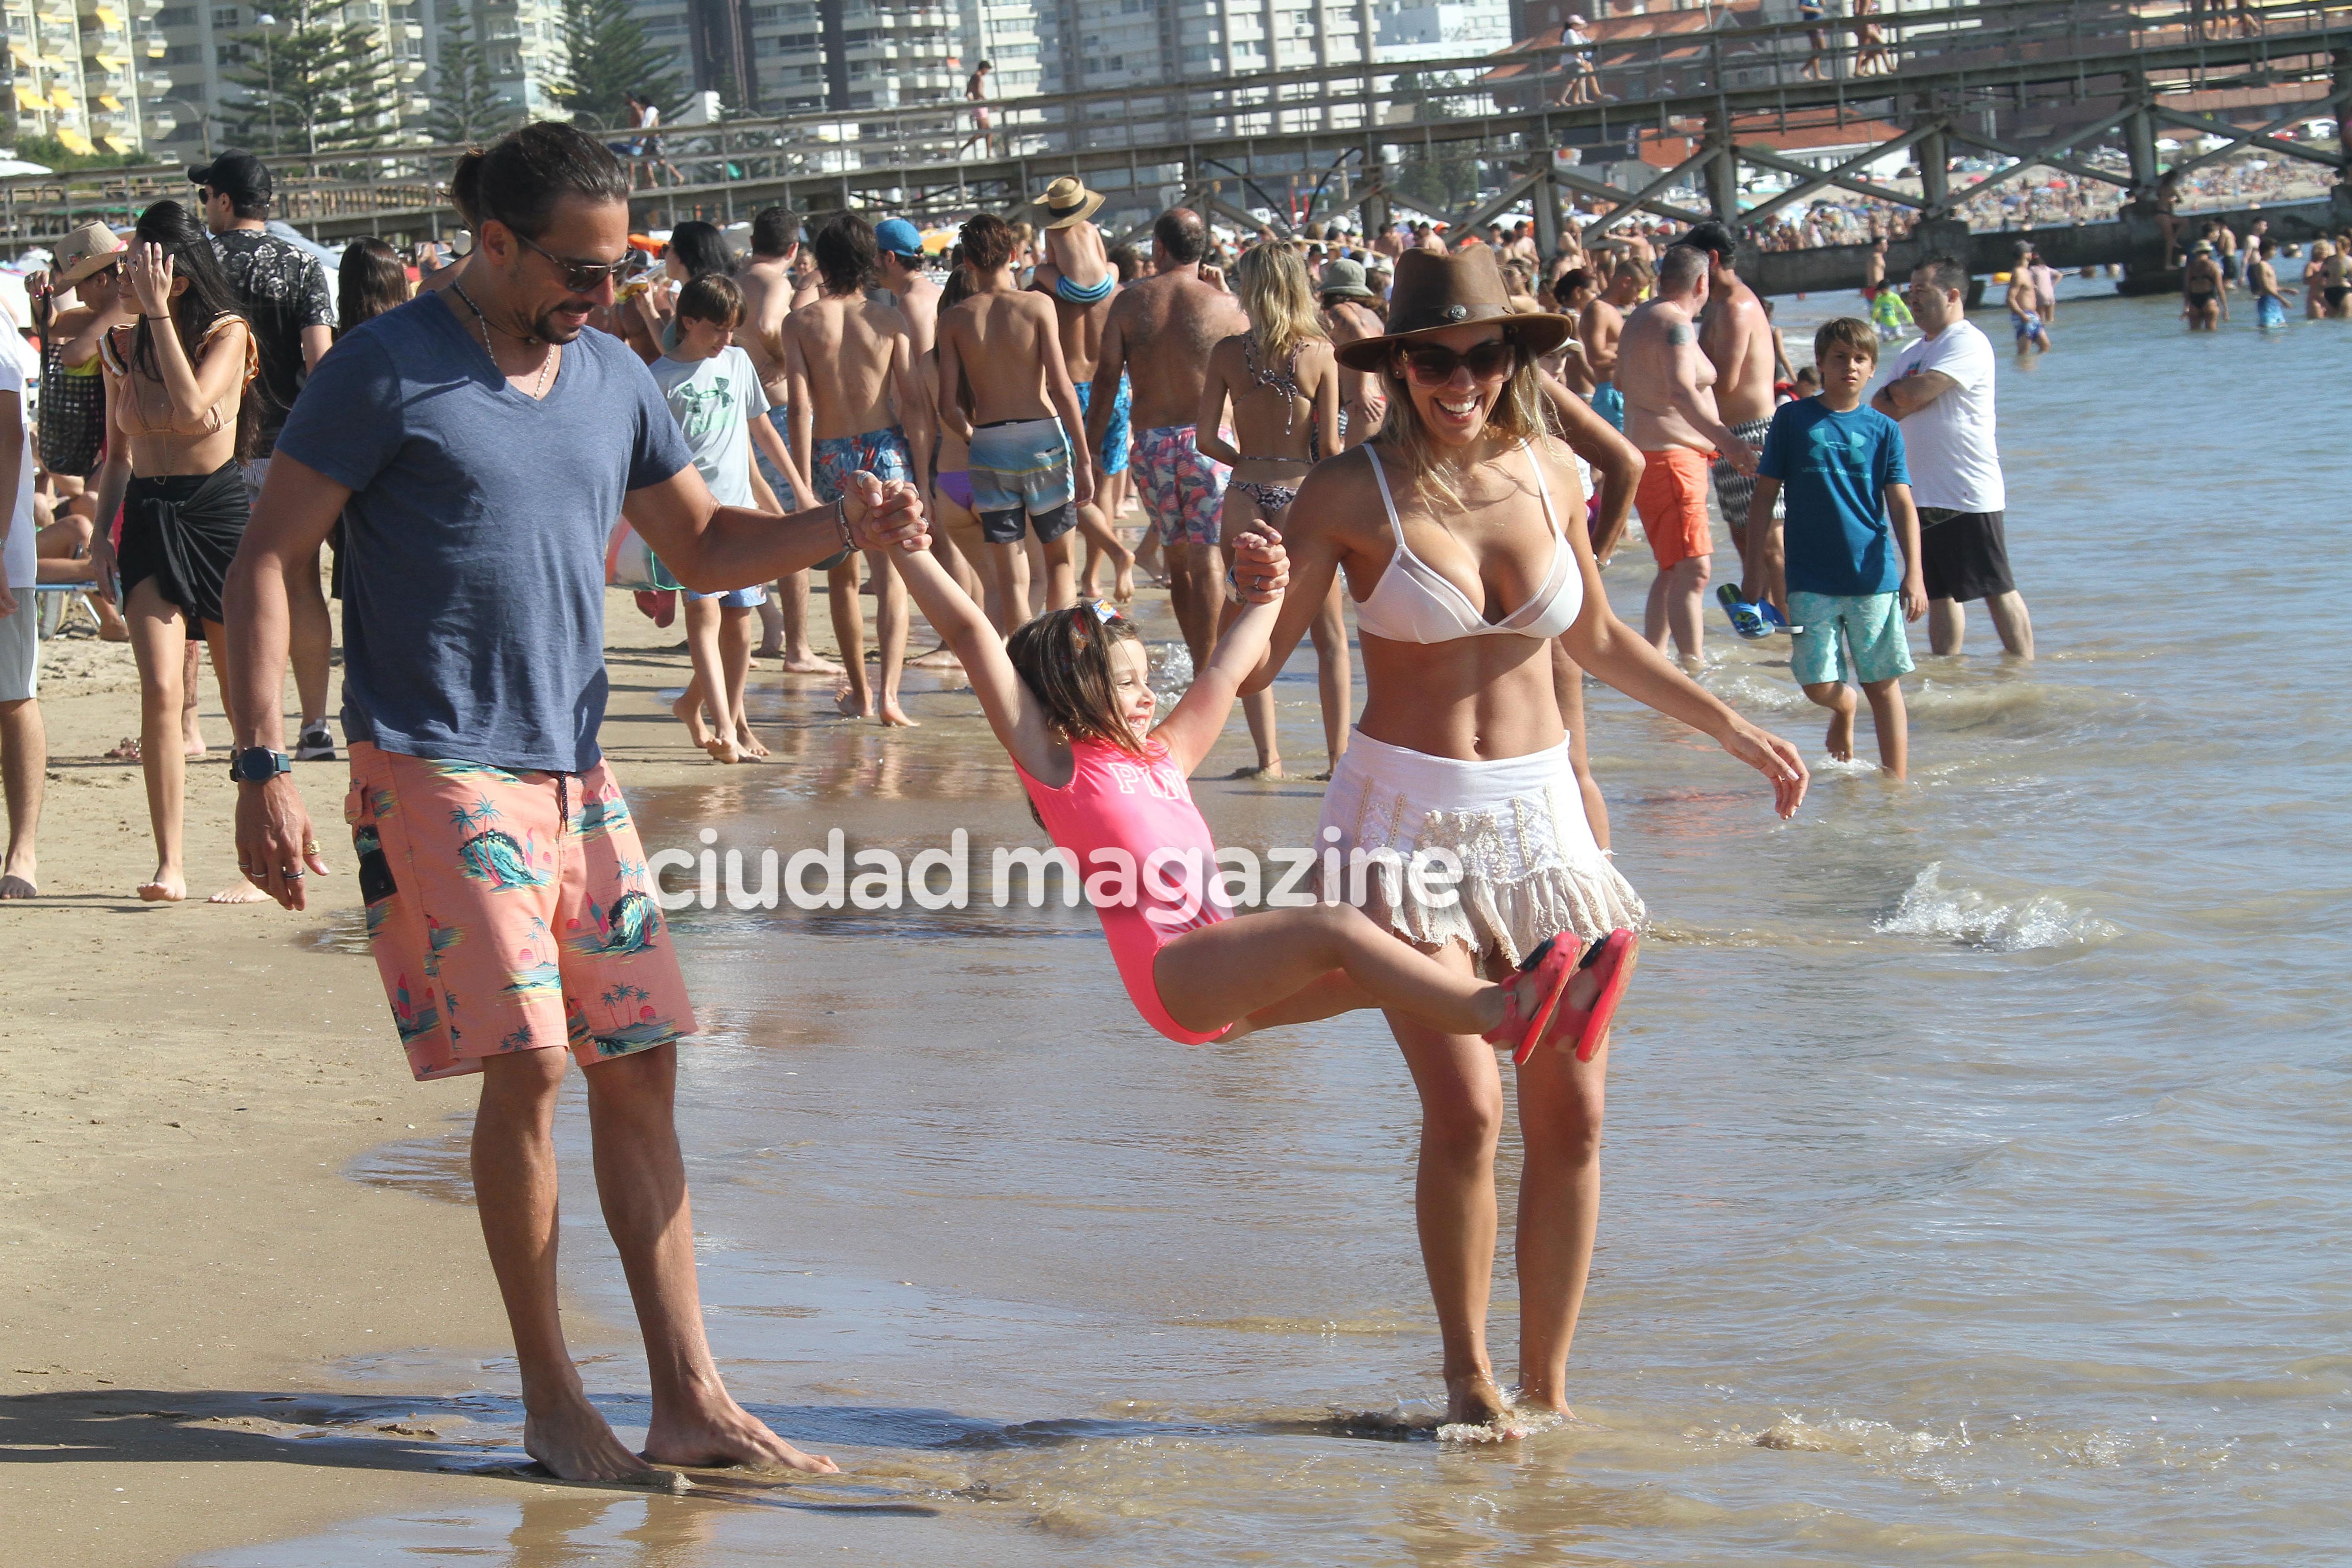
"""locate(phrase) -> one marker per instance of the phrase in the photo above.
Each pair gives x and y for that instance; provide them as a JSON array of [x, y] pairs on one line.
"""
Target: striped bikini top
[[1413, 602]]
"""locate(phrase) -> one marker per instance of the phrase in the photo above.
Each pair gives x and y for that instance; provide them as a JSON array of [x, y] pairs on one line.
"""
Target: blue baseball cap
[[899, 237]]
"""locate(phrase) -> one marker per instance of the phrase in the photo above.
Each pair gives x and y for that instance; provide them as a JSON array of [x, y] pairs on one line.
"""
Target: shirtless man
[[1736, 335], [1024, 429], [1163, 328], [1077, 277], [2025, 305], [1598, 327], [1671, 416], [1346, 316], [847, 359], [1874, 266], [765, 278]]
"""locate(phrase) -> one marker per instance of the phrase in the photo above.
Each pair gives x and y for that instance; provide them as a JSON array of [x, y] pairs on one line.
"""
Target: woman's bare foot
[[167, 887], [810, 664], [1839, 742], [854, 703], [1123, 587], [18, 881], [575, 1445], [1474, 1400], [111, 627], [895, 717], [688, 710], [749, 744], [728, 1436], [722, 749]]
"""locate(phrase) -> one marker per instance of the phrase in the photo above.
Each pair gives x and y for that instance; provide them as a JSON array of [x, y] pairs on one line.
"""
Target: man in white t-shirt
[[1940, 387], [23, 744]]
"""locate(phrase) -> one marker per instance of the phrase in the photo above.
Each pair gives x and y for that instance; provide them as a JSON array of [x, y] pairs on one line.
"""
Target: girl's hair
[[1272, 282], [519, 177], [1517, 415], [1063, 656], [701, 249], [371, 282], [200, 306]]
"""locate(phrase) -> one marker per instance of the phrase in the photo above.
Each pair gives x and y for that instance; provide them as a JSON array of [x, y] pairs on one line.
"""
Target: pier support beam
[[1376, 214], [1547, 199], [1934, 173], [1723, 171]]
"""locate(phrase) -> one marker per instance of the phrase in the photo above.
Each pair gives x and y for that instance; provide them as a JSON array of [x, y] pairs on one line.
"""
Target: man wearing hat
[[284, 292], [1349, 318], [900, 244]]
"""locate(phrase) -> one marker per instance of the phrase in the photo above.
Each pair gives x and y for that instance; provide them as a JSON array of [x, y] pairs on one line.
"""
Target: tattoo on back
[[1679, 336]]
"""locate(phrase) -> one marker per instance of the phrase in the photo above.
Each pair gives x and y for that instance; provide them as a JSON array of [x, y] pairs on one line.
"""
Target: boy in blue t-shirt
[[1847, 559]]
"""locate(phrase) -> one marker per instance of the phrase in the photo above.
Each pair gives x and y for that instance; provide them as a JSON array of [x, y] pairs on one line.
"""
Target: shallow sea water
[[1974, 1180]]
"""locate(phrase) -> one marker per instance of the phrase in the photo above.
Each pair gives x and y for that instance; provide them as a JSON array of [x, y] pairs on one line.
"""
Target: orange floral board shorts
[[1672, 500], [510, 911]]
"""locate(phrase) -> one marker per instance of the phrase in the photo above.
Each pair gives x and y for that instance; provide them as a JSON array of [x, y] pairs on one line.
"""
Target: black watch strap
[[258, 764]]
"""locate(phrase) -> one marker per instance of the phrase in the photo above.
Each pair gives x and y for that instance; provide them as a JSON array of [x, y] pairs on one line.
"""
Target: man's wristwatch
[[258, 764]]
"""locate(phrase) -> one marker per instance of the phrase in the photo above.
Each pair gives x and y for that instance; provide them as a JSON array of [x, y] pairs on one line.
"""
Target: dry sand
[[186, 1275]]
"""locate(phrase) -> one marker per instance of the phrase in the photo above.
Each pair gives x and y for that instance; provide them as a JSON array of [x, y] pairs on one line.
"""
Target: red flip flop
[[1612, 960], [1553, 964]]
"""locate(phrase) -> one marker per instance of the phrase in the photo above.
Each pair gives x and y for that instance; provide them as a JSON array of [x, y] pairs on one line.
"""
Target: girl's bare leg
[[1235, 969], [159, 643], [192, 669]]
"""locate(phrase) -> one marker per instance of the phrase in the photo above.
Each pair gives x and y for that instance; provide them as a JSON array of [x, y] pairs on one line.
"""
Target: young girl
[[1069, 699]]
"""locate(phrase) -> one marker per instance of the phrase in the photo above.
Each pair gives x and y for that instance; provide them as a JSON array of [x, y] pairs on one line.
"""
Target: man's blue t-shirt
[[1834, 469], [474, 543]]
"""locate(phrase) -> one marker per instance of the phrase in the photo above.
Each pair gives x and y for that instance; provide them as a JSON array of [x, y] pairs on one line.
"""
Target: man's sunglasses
[[580, 277], [1433, 365]]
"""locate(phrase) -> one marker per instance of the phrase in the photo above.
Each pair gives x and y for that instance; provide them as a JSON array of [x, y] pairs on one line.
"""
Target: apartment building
[[790, 56], [194, 52], [79, 71]]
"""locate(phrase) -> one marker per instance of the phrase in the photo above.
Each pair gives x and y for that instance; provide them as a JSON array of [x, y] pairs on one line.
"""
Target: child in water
[[1069, 696]]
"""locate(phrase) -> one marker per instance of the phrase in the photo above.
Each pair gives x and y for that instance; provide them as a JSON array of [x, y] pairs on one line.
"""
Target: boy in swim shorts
[[1021, 476], [1845, 566]]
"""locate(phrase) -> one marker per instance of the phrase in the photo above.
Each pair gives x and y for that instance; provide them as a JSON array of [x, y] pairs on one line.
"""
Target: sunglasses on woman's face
[[1433, 365]]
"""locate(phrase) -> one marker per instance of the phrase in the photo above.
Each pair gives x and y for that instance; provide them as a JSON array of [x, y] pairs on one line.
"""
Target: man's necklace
[[546, 367]]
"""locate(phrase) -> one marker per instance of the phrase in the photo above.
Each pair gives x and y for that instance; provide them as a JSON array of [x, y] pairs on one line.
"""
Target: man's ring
[[293, 876]]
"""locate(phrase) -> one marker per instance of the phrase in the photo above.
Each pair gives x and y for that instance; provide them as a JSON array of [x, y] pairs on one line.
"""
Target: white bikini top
[[1413, 602]]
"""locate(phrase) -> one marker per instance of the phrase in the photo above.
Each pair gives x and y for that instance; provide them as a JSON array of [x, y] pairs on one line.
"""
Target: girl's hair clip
[[1104, 610]]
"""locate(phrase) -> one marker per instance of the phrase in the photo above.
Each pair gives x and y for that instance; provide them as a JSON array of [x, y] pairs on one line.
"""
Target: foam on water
[[1928, 909]]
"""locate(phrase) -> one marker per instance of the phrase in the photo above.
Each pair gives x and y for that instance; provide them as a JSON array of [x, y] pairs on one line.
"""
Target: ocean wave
[[1963, 915]]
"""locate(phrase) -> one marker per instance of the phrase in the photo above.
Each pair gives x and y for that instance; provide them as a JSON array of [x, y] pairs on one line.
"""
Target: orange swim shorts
[[1672, 500], [510, 911]]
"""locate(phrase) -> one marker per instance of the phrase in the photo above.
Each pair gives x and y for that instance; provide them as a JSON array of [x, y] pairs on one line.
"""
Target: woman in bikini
[[175, 419], [1453, 530], [1283, 385]]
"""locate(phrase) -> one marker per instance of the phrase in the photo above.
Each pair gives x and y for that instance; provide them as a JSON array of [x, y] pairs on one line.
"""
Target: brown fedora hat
[[1068, 201], [1434, 292]]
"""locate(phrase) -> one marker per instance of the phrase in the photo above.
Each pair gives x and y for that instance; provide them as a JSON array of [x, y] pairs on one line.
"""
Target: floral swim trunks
[[882, 453], [510, 911], [1183, 492]]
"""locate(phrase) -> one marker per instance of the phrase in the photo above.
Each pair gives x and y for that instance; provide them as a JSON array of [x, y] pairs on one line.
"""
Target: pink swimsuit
[[1149, 864]]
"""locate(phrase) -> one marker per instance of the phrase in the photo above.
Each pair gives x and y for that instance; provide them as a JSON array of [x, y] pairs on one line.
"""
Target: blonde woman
[[1282, 382], [1457, 531], [175, 383]]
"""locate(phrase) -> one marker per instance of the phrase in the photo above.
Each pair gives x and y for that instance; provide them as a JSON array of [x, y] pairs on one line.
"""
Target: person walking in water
[[1025, 433], [2204, 297], [1736, 335], [1941, 389], [2025, 306], [1458, 532], [2261, 282], [1077, 277], [1162, 328], [850, 362], [1600, 326], [478, 445], [1671, 415], [1281, 383]]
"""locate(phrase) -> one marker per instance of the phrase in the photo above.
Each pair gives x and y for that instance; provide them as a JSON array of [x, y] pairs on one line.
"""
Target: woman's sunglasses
[[1433, 365]]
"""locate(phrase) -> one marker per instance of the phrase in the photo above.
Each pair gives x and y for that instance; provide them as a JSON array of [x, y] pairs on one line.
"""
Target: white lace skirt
[[1529, 863]]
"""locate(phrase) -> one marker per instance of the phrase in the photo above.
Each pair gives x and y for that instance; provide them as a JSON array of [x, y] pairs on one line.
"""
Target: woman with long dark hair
[[177, 418], [1458, 530], [696, 250], [369, 281]]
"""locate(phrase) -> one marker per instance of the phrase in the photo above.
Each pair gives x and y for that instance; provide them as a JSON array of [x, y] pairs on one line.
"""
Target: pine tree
[[606, 58], [467, 105], [315, 83]]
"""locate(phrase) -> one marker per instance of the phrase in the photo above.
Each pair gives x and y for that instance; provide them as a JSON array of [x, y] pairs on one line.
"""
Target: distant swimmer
[[2025, 307], [2261, 282], [2202, 302]]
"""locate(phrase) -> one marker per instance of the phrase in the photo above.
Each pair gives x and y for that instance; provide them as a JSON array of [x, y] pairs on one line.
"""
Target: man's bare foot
[[243, 893], [688, 710], [854, 703], [166, 889], [895, 717], [809, 664], [575, 1445], [728, 1436], [1839, 742], [749, 744], [722, 749], [1474, 1400], [19, 884]]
